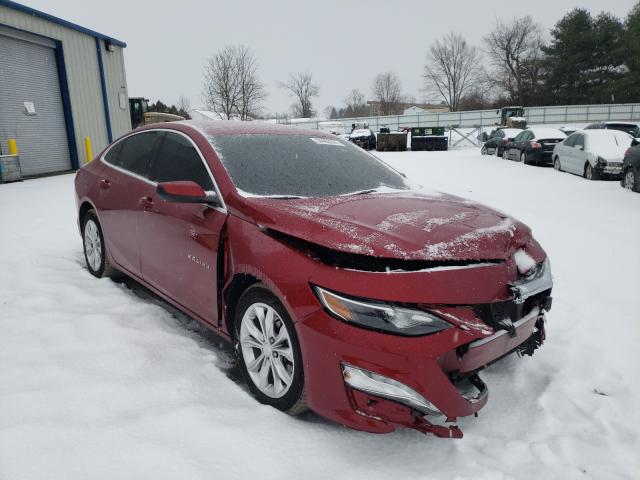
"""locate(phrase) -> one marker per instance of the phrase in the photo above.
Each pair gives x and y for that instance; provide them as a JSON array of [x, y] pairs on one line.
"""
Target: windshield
[[632, 130], [299, 165]]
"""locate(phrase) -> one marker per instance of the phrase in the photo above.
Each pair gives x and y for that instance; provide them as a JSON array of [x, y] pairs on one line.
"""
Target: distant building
[[408, 108], [59, 83]]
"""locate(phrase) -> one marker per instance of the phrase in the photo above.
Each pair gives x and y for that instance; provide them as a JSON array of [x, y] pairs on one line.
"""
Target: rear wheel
[[630, 180], [523, 157], [590, 173], [483, 150], [94, 247], [505, 154], [269, 352]]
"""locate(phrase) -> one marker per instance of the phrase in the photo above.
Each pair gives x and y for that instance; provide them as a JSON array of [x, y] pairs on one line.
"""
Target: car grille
[[502, 315]]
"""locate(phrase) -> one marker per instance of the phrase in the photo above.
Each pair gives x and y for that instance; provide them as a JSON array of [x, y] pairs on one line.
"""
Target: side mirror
[[185, 192]]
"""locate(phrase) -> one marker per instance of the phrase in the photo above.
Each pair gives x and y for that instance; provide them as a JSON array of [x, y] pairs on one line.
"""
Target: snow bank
[[100, 380]]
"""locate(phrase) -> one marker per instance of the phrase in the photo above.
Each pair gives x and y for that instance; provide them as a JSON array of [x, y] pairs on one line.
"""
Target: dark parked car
[[631, 169], [534, 146], [631, 128], [364, 138], [294, 246], [498, 140]]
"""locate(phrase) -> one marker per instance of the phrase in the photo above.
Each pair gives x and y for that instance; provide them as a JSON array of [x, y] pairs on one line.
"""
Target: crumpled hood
[[412, 225]]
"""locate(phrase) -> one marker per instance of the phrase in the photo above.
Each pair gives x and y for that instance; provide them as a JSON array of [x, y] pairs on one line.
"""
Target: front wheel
[[268, 350], [630, 180], [483, 150], [590, 173]]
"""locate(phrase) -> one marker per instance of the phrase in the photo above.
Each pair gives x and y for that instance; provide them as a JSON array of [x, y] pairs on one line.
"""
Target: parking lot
[[102, 380]]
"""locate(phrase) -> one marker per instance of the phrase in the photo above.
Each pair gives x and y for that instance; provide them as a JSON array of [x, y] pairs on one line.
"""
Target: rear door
[[579, 156], [124, 182], [564, 150], [179, 241]]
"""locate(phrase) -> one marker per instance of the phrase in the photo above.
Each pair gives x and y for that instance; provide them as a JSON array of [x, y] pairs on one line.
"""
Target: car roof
[[603, 133], [541, 132], [613, 122], [233, 127], [511, 131]]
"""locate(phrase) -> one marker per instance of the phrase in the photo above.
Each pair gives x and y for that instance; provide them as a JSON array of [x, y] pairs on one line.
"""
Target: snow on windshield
[[301, 166]]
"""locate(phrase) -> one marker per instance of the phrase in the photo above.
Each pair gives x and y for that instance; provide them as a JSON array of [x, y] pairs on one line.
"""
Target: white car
[[592, 153]]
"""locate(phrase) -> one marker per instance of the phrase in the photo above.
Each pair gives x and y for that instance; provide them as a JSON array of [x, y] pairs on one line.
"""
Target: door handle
[[146, 203], [105, 184]]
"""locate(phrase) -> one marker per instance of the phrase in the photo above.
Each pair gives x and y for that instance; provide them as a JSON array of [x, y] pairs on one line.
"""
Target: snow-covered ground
[[99, 380]]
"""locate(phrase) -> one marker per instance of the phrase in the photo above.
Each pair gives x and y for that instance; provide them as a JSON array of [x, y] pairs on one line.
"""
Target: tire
[[483, 150], [590, 173], [630, 180], [505, 154], [95, 254], [523, 157], [281, 365], [556, 164], [496, 152]]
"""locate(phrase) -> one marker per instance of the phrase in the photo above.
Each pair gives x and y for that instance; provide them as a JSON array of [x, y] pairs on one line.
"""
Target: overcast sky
[[343, 43]]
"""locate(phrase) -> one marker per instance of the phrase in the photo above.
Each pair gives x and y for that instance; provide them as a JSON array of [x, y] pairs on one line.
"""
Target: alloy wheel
[[556, 164], [629, 180], [589, 173], [266, 350], [92, 245]]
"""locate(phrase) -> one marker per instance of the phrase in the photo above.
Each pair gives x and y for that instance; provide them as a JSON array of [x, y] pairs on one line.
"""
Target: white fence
[[486, 118]]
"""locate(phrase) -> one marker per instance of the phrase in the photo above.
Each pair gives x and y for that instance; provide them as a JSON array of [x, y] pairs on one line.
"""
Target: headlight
[[537, 281], [380, 316], [602, 161]]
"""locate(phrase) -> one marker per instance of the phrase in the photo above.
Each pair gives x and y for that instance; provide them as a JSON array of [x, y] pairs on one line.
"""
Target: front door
[[179, 241]]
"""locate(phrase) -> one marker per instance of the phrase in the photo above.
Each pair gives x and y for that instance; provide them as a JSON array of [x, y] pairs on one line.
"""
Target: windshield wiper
[[363, 192], [283, 197]]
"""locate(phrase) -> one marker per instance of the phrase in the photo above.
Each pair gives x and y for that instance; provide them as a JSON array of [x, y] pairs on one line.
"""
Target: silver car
[[592, 154]]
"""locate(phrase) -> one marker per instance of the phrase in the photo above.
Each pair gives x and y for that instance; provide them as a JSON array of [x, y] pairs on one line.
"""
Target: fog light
[[388, 388]]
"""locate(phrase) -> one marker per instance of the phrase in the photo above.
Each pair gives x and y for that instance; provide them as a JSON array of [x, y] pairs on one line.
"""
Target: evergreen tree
[[585, 59]]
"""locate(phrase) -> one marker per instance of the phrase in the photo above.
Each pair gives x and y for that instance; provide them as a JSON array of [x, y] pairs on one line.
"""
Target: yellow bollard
[[87, 148], [13, 146]]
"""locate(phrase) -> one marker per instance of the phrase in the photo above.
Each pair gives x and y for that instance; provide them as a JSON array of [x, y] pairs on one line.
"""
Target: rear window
[[135, 152], [298, 165], [622, 127]]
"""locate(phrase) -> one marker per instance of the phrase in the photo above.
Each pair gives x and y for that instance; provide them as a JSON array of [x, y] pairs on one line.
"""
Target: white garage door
[[28, 73]]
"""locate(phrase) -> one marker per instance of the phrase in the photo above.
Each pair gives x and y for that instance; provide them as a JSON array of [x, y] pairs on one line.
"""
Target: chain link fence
[[488, 118]]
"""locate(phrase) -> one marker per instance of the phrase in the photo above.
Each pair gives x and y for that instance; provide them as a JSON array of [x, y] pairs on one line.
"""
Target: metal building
[[59, 83]]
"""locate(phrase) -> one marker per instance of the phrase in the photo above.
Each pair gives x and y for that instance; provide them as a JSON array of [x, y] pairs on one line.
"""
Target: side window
[[571, 139], [113, 154], [136, 151], [579, 141], [177, 159], [519, 137]]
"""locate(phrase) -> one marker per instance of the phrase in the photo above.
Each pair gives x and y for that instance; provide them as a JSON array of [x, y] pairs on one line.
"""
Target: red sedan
[[344, 289]]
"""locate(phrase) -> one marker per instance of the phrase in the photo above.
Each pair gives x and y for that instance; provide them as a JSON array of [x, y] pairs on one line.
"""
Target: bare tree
[[221, 85], [387, 91], [356, 104], [452, 68], [232, 86], [184, 103], [516, 53], [302, 89], [252, 91]]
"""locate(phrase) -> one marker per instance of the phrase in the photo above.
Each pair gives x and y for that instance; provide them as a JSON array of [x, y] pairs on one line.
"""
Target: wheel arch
[[240, 283]]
